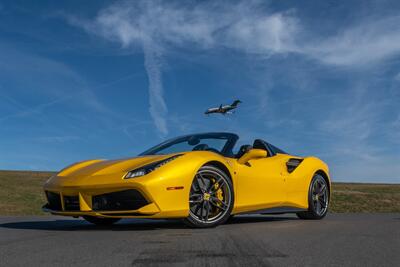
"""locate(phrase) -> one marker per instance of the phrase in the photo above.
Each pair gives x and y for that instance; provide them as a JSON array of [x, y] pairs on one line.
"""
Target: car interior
[[257, 144]]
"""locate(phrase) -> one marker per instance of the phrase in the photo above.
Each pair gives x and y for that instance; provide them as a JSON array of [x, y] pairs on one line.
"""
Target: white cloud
[[157, 26], [262, 34], [244, 26], [363, 44]]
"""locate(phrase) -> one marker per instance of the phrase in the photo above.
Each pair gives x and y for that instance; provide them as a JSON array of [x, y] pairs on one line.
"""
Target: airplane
[[224, 109]]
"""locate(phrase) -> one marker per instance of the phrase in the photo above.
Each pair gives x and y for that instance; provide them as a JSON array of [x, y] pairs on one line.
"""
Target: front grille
[[71, 203], [122, 200], [54, 200]]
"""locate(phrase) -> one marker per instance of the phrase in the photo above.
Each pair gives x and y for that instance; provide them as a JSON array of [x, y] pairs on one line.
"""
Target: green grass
[[21, 194], [351, 197]]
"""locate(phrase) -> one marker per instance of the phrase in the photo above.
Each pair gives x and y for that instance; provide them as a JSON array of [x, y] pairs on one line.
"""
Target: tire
[[101, 221], [318, 199], [210, 199]]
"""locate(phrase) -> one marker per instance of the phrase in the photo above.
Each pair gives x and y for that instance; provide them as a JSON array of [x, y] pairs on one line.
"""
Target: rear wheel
[[318, 199], [210, 199], [100, 221]]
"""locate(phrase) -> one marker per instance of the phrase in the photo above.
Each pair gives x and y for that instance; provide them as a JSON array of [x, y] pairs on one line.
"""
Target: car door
[[260, 184]]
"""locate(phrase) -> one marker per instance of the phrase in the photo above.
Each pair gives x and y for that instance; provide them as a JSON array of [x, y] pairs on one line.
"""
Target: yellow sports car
[[202, 178]]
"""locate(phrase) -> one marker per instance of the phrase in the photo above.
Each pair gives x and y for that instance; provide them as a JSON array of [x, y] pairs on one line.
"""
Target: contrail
[[160, 26], [152, 62]]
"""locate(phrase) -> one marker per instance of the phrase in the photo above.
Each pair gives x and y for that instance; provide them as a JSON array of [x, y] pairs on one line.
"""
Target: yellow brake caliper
[[219, 193]]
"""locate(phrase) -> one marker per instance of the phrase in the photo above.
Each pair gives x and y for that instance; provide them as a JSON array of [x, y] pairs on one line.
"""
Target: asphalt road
[[338, 240]]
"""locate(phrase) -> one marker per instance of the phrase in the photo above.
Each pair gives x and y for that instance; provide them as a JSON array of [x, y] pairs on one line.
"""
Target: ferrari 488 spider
[[202, 178]]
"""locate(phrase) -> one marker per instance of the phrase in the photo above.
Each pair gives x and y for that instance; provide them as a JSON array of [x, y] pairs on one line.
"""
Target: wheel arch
[[311, 166], [216, 166], [220, 165], [326, 178]]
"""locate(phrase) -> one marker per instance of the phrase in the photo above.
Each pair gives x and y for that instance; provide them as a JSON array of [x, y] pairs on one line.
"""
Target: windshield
[[221, 143]]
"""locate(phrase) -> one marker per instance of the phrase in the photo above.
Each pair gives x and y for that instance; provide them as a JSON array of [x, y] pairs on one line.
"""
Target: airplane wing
[[211, 110]]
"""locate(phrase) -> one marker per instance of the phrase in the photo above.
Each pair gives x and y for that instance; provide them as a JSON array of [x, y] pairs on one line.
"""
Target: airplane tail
[[235, 103]]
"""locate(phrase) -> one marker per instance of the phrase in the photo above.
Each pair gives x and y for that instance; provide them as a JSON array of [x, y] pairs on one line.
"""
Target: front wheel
[[318, 199], [211, 198], [101, 221]]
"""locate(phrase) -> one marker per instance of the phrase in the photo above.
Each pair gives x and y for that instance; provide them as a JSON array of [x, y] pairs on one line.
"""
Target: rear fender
[[299, 180]]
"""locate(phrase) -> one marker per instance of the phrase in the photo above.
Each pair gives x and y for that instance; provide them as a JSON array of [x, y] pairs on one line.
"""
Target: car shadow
[[129, 224]]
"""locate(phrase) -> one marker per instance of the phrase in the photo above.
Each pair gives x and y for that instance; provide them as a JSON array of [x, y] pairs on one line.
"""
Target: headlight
[[149, 168]]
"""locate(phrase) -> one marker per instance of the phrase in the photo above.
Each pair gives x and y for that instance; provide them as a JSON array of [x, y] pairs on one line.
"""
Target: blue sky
[[103, 79]]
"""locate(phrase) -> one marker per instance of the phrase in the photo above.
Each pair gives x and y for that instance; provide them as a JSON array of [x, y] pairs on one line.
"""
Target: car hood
[[104, 167]]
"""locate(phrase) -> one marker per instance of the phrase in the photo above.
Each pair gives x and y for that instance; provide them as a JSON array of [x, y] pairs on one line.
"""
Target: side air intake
[[292, 164]]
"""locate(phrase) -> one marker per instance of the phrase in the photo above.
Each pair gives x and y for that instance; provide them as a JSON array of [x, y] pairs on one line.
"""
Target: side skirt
[[276, 210]]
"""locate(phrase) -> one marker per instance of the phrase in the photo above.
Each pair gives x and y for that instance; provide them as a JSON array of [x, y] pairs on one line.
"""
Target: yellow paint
[[252, 154], [259, 183]]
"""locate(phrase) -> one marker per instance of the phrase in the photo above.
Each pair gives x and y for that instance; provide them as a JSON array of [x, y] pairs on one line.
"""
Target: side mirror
[[252, 154]]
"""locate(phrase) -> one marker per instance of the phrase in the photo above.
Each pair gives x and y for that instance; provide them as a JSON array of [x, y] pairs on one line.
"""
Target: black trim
[[71, 203], [292, 164], [125, 214], [54, 201], [119, 201], [275, 150], [276, 210]]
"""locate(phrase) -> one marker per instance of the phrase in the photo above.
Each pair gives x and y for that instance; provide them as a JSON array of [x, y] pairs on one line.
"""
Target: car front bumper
[[149, 197]]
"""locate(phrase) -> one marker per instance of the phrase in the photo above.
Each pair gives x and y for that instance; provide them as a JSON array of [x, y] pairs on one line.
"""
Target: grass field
[[21, 194]]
